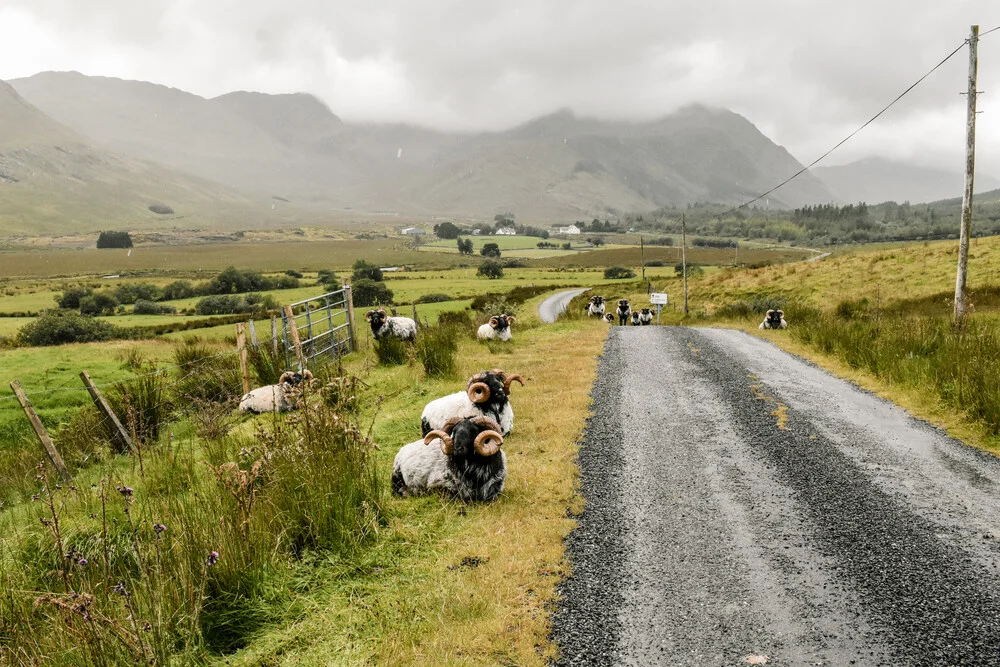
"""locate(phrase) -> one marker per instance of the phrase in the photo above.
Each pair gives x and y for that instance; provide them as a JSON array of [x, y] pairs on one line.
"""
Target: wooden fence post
[[415, 320], [253, 333], [124, 440], [274, 334], [241, 347], [293, 331], [349, 299], [43, 436]]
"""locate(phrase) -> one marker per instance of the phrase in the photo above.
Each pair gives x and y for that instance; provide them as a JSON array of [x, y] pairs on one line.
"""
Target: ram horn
[[768, 313], [510, 319], [488, 443], [479, 392], [494, 323], [511, 378], [447, 445], [368, 316], [307, 375], [781, 313]]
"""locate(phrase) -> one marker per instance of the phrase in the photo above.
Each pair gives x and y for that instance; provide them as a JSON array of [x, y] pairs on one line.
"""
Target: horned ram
[[486, 394], [498, 328], [596, 306], [384, 326], [624, 311], [774, 319]]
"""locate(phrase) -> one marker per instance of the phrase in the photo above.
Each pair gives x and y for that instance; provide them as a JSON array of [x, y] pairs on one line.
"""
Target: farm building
[[413, 231], [506, 231], [572, 229]]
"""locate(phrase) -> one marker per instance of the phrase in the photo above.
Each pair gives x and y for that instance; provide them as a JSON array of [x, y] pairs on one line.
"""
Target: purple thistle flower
[[158, 528], [125, 490], [213, 558], [83, 561], [119, 588]]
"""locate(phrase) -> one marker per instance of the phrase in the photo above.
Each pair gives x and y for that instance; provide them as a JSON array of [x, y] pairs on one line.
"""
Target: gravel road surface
[[549, 309], [742, 503]]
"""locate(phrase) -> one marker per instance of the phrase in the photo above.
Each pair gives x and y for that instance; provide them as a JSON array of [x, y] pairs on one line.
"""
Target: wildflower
[[213, 558], [126, 491], [158, 528], [120, 589], [83, 562]]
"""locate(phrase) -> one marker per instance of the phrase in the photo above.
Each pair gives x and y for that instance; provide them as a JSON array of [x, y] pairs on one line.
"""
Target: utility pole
[[642, 258], [684, 261], [970, 173]]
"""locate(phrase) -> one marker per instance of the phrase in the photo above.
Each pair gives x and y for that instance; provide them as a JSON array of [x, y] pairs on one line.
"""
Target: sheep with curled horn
[[498, 328], [486, 394], [384, 326], [774, 319], [623, 311], [596, 306], [635, 318], [279, 397], [609, 318], [466, 461], [645, 316]]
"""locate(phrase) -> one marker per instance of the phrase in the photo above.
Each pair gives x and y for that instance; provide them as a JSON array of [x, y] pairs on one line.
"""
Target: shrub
[[206, 374], [655, 262], [513, 263], [694, 270], [143, 307], [367, 292], [715, 243], [55, 328], [465, 246], [98, 303], [114, 240], [142, 405], [266, 364], [71, 298], [662, 240], [132, 292], [366, 270], [615, 272], [286, 282], [567, 246], [234, 281], [160, 209], [324, 276], [457, 319], [231, 304], [490, 269], [293, 273], [436, 348], [490, 250], [392, 351], [179, 289], [436, 297]]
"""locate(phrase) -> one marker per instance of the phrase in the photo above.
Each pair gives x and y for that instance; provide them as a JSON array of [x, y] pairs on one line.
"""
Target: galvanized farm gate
[[319, 325]]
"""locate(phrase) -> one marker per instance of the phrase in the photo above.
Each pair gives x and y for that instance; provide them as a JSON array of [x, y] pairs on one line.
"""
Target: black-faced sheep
[[463, 458], [623, 311], [487, 394], [635, 318], [384, 326], [646, 317], [774, 319], [596, 306], [609, 318], [279, 397], [498, 328]]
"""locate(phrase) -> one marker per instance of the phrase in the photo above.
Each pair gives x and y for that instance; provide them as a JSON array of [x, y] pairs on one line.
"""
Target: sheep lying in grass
[[596, 306], [774, 319], [279, 397], [498, 328], [646, 317], [486, 394], [384, 326], [623, 311], [609, 318], [463, 458]]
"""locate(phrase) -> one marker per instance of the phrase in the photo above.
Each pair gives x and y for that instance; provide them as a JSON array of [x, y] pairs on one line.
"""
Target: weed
[[436, 348]]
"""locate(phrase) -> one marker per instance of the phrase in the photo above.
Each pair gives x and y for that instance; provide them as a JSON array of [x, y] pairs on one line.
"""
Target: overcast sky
[[805, 72]]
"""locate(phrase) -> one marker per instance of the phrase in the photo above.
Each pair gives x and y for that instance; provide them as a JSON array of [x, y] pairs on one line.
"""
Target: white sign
[[658, 298]]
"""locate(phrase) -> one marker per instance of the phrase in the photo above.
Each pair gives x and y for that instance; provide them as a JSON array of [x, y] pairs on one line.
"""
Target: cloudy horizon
[[806, 76]]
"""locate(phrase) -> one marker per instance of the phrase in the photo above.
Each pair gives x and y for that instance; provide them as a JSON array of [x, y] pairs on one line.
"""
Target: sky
[[806, 72]]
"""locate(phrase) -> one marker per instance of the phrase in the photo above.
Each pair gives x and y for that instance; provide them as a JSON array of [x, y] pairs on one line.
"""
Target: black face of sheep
[[774, 318], [294, 379], [489, 390], [468, 438], [501, 322], [376, 318], [622, 304], [646, 311]]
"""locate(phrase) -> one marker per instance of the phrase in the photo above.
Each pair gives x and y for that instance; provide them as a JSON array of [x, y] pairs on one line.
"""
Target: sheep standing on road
[[384, 326], [774, 319], [467, 461], [623, 311], [498, 328], [486, 394], [596, 306], [279, 397], [646, 317], [635, 318]]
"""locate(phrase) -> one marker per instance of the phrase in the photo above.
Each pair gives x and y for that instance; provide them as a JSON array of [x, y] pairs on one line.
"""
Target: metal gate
[[323, 324]]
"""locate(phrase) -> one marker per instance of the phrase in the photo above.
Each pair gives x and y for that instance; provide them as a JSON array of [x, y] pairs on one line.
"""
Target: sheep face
[[291, 379], [468, 438], [646, 311], [623, 304], [376, 318], [635, 318], [609, 318], [501, 322], [774, 318], [489, 390]]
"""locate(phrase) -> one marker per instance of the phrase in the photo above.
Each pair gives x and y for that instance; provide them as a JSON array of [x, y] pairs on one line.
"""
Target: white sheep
[[774, 319], [635, 318], [487, 394], [596, 306], [646, 317], [498, 328], [279, 397], [466, 462], [384, 326]]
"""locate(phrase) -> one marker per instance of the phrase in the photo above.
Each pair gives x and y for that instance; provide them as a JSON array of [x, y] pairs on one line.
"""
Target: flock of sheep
[[404, 328], [773, 319]]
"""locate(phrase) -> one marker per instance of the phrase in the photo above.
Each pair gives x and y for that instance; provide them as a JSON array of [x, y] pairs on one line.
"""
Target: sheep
[[384, 326], [596, 306], [467, 461], [279, 397], [609, 318], [498, 328], [623, 311], [635, 318], [486, 394], [774, 319], [646, 317]]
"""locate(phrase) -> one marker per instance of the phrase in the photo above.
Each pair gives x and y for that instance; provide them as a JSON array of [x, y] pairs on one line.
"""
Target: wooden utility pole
[[684, 261], [970, 172], [642, 258], [241, 348], [43, 436], [125, 443]]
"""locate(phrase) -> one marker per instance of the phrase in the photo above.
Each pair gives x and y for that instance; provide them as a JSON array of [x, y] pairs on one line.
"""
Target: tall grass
[[436, 348], [392, 351]]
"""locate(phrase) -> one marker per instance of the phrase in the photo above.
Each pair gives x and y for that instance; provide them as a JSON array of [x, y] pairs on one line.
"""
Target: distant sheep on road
[[646, 317], [623, 311]]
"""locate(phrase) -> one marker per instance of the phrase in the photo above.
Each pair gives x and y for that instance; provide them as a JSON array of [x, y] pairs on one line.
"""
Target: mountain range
[[876, 180], [89, 150]]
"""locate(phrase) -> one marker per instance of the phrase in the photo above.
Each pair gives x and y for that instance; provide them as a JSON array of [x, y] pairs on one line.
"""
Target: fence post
[[274, 334], [253, 333], [124, 440], [43, 436], [241, 347], [293, 331], [349, 298], [415, 320]]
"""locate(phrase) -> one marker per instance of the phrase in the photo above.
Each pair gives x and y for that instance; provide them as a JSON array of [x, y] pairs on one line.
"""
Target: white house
[[506, 231], [413, 231], [572, 229]]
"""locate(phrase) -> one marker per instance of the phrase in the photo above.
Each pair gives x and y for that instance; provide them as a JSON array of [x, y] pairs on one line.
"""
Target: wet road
[[549, 309], [742, 503]]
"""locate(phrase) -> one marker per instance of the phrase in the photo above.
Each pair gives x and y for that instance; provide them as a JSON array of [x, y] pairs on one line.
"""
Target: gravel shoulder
[[742, 502]]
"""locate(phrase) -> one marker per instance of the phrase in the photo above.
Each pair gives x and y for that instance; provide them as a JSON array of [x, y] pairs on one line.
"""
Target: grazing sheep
[[596, 306], [486, 394], [498, 328], [384, 326], [774, 319], [609, 318], [466, 462], [279, 397], [623, 311], [646, 317]]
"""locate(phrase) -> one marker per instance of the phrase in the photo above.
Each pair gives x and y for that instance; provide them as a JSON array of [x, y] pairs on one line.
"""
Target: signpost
[[659, 299]]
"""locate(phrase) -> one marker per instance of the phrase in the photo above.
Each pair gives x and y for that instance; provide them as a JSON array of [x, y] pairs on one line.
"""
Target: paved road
[[549, 309], [741, 502]]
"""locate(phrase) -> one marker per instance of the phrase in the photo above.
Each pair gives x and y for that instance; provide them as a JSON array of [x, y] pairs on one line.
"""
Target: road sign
[[659, 298]]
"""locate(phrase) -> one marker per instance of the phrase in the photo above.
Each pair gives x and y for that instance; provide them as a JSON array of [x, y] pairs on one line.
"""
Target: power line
[[983, 34], [848, 137]]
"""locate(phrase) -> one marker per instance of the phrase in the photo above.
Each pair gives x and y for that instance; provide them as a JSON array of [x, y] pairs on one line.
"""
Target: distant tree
[[231, 304], [615, 272], [179, 289], [234, 281], [490, 250], [114, 240], [293, 273], [99, 303], [490, 269], [132, 292], [567, 246], [71, 298], [694, 270], [486, 229], [504, 219], [465, 246], [143, 307], [368, 292], [447, 230], [597, 241], [363, 269]]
